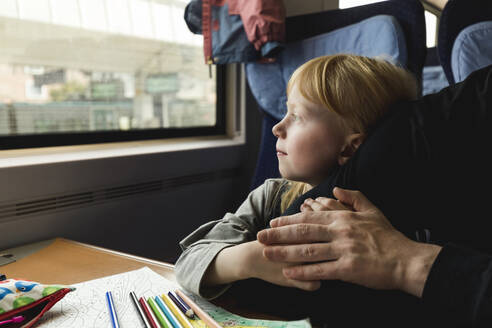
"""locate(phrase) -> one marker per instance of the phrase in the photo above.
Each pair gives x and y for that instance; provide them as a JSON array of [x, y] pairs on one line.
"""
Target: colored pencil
[[139, 310], [158, 313], [112, 310], [170, 316], [182, 305], [15, 319], [176, 311], [147, 312], [209, 321]]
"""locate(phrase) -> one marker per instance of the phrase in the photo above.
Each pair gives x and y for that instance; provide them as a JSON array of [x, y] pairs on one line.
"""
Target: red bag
[[23, 302]]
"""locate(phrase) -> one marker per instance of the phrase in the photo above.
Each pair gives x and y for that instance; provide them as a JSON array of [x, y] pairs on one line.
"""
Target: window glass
[[353, 3], [101, 65], [430, 26], [430, 19]]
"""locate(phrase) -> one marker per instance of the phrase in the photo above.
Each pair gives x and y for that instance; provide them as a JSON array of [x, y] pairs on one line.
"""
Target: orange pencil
[[209, 321]]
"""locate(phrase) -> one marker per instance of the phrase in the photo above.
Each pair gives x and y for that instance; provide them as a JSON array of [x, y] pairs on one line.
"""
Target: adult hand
[[358, 246], [261, 267]]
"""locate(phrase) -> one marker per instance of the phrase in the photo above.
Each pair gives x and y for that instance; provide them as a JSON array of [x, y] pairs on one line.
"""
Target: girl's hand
[[323, 204], [262, 268]]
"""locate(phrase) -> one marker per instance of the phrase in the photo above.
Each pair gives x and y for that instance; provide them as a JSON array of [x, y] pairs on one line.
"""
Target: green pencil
[[160, 316]]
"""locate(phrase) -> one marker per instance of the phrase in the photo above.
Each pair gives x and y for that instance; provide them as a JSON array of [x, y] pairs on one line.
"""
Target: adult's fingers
[[328, 270], [295, 234], [353, 198], [305, 285], [313, 252]]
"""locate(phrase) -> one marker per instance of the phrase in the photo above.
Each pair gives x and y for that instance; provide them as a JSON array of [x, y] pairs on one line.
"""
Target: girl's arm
[[202, 246]]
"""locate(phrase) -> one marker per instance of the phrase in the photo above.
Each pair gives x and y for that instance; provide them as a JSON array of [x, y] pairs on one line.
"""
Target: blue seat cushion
[[433, 79], [472, 50], [378, 36]]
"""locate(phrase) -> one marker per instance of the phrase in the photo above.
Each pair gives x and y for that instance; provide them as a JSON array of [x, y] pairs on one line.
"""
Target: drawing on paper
[[87, 307]]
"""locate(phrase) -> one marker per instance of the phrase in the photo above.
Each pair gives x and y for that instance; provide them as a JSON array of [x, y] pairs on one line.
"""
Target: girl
[[333, 103]]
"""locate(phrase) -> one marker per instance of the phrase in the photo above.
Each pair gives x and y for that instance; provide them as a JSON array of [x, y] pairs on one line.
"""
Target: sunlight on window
[[430, 26], [65, 12], [37, 10], [127, 64], [430, 19], [353, 3]]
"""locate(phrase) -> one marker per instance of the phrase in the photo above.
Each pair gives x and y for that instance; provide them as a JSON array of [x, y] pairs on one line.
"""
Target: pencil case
[[23, 302]]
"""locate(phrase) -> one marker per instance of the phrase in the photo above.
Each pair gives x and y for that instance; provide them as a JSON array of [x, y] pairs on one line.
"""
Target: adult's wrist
[[416, 265]]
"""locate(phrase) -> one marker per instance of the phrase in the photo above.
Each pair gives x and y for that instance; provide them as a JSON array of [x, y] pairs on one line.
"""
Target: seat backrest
[[378, 36], [433, 77], [380, 29], [408, 13], [472, 50], [464, 40]]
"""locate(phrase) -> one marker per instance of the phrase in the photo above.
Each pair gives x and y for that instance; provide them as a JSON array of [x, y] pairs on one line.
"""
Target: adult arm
[[460, 286], [358, 246], [361, 247]]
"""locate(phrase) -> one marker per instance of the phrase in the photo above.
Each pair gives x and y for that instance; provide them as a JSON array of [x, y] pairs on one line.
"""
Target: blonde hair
[[359, 89]]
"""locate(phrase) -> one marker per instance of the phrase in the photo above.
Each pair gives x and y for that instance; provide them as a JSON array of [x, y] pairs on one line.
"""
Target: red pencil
[[147, 312]]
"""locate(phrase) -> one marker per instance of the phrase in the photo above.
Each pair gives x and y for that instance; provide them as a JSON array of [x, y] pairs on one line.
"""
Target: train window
[[430, 17], [430, 29], [352, 3], [91, 71]]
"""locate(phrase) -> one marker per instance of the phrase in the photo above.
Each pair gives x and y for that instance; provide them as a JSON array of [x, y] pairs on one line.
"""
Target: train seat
[[394, 30], [472, 50], [465, 37], [433, 77]]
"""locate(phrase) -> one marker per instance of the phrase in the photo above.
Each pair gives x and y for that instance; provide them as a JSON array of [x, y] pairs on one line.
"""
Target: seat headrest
[[471, 50], [378, 36]]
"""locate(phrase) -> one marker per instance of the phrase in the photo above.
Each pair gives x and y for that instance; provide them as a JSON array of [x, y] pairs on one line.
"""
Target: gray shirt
[[202, 246]]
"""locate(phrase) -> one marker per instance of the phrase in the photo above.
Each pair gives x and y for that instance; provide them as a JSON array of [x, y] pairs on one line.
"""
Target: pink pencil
[[209, 321], [16, 319]]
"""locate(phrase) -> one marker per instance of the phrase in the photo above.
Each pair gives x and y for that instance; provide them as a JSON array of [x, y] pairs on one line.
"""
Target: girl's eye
[[294, 117]]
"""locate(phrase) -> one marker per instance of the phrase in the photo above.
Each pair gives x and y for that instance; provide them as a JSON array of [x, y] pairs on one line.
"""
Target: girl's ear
[[352, 143]]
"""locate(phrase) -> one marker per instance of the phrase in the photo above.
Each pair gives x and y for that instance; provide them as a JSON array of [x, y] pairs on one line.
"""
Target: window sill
[[47, 155]]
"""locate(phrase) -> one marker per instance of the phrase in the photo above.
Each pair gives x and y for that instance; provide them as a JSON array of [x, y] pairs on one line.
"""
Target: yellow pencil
[[176, 311]]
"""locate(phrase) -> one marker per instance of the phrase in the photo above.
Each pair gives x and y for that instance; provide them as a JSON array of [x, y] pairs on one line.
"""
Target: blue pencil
[[170, 316], [181, 305], [112, 310]]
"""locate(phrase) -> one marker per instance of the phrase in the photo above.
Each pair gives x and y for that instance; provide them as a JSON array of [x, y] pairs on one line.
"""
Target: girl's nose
[[277, 129]]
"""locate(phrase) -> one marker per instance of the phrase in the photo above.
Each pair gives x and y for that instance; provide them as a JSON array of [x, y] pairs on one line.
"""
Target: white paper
[[87, 305]]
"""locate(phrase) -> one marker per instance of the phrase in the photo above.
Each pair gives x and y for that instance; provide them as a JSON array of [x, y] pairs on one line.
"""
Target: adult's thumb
[[353, 198]]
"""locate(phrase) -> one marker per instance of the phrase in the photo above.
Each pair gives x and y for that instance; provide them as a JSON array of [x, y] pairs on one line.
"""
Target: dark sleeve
[[459, 286]]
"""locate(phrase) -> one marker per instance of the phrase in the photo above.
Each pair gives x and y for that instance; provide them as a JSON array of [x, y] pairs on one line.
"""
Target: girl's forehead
[[296, 101]]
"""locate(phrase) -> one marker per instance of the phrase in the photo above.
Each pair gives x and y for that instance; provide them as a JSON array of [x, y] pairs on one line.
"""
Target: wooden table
[[69, 262]]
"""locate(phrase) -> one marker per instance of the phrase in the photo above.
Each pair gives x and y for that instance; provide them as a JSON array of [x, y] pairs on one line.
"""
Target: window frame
[[96, 137]]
